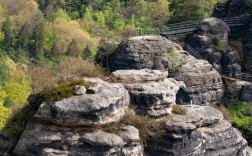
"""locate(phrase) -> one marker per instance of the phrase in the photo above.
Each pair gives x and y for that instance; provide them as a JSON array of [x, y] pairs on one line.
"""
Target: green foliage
[[60, 14], [8, 30], [242, 118], [87, 53], [189, 10], [219, 44], [63, 89], [172, 58], [8, 102]]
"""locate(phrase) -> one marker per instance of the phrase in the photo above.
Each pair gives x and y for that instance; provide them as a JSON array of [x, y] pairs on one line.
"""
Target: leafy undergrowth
[[146, 125], [242, 118], [63, 89]]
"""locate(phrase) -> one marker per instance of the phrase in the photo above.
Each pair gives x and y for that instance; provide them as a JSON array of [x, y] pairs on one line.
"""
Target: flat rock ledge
[[107, 104], [138, 76], [201, 132]]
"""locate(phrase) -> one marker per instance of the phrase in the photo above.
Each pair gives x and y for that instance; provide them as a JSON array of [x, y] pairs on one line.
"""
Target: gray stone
[[53, 140], [144, 75], [140, 53], [102, 139], [79, 90], [154, 97], [107, 105], [201, 132]]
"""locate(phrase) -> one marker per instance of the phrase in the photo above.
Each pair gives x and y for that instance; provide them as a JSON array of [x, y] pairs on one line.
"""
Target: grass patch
[[177, 109], [63, 89], [146, 125]]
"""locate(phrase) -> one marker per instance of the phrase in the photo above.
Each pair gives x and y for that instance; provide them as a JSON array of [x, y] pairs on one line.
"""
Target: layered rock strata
[[150, 90], [73, 126], [211, 42], [201, 132]]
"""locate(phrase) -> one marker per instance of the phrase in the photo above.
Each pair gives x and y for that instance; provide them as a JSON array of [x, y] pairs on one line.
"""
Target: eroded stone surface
[[55, 140], [108, 104], [155, 98], [144, 75], [201, 132]]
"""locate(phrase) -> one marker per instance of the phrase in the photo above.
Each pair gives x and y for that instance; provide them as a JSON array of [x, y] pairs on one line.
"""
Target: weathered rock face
[[141, 52], [211, 41], [150, 90], [108, 104], [237, 90], [201, 132], [45, 140], [73, 126], [203, 82]]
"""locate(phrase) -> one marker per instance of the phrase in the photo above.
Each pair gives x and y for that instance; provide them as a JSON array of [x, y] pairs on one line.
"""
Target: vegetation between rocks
[[146, 125], [242, 118]]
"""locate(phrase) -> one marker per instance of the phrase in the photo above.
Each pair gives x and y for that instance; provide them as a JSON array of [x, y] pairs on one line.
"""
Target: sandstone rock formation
[[150, 90], [72, 126], [237, 90], [141, 52], [201, 132], [203, 82], [106, 105], [211, 41]]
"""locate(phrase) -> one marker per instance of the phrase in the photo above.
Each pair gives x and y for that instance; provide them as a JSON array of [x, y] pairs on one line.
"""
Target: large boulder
[[107, 104], [150, 90], [201, 132], [141, 52], [211, 42]]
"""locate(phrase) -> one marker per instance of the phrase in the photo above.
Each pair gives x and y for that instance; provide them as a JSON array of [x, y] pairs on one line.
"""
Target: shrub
[[177, 109], [45, 78], [219, 44], [63, 89], [242, 118], [42, 77], [78, 67], [146, 125]]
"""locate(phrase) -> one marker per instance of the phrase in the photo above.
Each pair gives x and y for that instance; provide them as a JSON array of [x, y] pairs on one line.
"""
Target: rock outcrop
[[73, 126], [140, 53], [211, 41], [203, 82], [237, 91], [201, 132], [150, 90]]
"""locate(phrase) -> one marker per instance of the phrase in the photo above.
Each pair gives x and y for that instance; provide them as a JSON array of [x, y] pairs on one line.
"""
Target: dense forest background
[[37, 35]]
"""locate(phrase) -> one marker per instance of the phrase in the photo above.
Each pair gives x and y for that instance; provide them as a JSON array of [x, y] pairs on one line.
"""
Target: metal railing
[[142, 32]]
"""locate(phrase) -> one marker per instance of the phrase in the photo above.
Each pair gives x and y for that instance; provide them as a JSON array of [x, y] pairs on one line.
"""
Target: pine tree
[[9, 35]]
